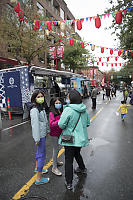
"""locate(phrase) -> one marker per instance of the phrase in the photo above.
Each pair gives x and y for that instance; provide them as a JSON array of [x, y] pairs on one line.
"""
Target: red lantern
[[111, 51], [97, 22], [17, 7], [60, 37], [102, 50], [97, 63], [102, 64], [79, 25], [108, 59], [36, 26], [82, 45], [112, 64], [116, 58], [118, 17], [116, 64], [20, 14], [71, 42], [49, 26], [119, 52], [99, 59], [120, 64]]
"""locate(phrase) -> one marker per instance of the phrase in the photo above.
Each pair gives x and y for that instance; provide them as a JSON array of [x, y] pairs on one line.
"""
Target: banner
[[12, 88], [51, 53], [59, 53]]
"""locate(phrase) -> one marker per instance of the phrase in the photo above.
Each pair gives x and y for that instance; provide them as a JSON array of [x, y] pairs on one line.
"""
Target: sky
[[90, 34]]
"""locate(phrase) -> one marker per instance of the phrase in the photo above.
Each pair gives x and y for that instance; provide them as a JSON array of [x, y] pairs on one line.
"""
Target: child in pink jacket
[[55, 131]]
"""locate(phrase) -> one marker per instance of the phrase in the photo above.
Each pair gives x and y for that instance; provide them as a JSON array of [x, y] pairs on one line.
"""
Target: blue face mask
[[68, 101], [58, 106]]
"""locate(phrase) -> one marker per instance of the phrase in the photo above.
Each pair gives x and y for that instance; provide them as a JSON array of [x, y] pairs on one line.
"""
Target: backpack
[[126, 93]]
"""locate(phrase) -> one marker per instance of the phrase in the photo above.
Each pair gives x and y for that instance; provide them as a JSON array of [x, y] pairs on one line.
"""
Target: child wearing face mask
[[40, 128], [55, 131]]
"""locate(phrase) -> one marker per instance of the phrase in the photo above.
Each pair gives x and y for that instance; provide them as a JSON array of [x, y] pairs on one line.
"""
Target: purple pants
[[41, 154]]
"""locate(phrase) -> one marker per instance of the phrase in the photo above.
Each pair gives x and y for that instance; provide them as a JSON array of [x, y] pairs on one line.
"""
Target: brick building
[[54, 9], [93, 73]]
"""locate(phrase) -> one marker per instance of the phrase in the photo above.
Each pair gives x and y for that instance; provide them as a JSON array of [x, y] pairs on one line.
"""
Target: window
[[62, 14], [40, 8]]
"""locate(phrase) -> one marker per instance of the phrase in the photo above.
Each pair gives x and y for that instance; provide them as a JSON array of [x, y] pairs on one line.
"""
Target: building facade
[[55, 10], [93, 73]]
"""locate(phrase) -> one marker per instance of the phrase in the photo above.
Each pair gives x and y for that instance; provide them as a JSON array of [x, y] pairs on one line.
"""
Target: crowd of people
[[67, 126]]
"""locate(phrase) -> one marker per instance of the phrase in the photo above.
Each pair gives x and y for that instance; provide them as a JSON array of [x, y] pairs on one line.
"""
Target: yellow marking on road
[[25, 189], [96, 114]]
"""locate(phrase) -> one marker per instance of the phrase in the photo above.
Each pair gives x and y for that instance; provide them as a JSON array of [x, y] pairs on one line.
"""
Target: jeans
[[123, 116], [41, 154], [70, 154]]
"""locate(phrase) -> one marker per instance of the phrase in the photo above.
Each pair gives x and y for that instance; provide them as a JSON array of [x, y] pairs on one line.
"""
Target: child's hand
[[117, 114], [37, 143], [48, 134]]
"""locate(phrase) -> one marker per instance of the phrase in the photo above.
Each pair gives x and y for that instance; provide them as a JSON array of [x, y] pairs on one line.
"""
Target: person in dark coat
[[108, 92]]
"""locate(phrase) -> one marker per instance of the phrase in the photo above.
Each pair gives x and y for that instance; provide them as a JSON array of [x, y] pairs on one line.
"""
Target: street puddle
[[95, 143]]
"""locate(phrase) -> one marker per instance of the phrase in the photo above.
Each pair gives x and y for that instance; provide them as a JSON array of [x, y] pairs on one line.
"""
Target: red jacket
[[54, 128]]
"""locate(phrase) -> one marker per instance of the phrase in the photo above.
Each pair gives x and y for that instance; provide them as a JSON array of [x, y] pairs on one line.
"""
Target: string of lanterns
[[112, 64], [37, 25]]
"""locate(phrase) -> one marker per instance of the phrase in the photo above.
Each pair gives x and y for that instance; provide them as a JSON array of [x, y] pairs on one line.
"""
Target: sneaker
[[56, 172], [59, 163], [42, 181], [44, 171], [68, 185], [82, 171]]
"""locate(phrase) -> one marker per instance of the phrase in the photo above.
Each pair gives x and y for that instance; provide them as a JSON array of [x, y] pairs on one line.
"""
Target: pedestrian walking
[[74, 121], [55, 131], [40, 128], [108, 91], [94, 97], [123, 109], [103, 93], [125, 94]]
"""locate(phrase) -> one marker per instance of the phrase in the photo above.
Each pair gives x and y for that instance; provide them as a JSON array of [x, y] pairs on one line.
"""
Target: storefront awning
[[8, 61]]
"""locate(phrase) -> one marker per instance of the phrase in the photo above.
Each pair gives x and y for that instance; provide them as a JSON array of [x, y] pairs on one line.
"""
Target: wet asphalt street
[[108, 159]]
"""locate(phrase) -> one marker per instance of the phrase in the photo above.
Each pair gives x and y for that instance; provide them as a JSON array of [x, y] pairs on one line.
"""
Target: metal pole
[[0, 121], [108, 79]]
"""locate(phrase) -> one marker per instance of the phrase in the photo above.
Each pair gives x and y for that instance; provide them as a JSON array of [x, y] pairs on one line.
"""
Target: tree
[[74, 56], [19, 36], [124, 31]]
